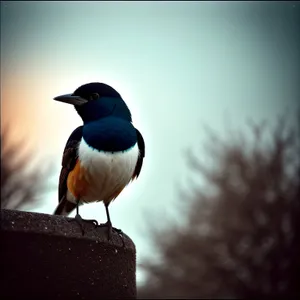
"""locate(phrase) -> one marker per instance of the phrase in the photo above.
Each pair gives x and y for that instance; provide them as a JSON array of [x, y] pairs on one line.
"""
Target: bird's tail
[[64, 207]]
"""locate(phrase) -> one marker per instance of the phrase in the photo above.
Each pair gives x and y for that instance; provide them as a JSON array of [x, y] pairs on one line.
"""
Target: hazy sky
[[178, 65]]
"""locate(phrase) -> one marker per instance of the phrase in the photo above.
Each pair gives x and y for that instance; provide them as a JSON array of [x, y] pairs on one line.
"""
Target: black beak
[[71, 99]]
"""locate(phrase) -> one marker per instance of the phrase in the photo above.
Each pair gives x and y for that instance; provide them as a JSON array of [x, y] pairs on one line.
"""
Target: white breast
[[107, 172]]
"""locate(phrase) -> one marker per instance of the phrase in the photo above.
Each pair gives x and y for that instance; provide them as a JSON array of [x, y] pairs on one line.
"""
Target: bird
[[102, 156]]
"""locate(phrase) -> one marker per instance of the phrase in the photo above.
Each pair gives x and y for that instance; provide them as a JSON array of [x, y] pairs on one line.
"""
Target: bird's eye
[[94, 96]]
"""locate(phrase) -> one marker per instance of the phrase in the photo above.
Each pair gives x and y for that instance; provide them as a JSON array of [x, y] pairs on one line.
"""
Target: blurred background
[[214, 89]]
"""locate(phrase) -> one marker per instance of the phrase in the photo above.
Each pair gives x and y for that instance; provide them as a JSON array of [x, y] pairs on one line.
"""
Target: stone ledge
[[45, 256]]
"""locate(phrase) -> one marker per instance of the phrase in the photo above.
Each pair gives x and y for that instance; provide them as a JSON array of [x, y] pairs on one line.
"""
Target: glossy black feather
[[69, 160], [141, 145]]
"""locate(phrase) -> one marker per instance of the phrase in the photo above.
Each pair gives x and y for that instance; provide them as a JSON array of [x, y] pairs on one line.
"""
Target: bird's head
[[96, 100]]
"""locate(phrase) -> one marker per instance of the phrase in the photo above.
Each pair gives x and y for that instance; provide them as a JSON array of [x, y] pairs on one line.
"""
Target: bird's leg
[[94, 222], [80, 221], [108, 224]]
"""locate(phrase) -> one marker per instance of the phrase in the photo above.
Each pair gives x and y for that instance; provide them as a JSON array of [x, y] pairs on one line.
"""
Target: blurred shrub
[[21, 187], [242, 240]]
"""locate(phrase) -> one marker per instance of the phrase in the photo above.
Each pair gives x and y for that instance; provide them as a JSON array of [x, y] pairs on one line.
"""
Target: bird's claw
[[121, 234], [110, 229], [81, 221]]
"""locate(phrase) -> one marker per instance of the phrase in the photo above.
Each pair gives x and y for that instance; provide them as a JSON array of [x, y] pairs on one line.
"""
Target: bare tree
[[242, 238], [21, 188]]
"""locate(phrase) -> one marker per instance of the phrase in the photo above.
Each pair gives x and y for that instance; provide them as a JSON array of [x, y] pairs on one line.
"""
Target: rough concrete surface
[[45, 256]]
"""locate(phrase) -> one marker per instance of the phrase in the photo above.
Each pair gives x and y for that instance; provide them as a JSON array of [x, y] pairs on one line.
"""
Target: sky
[[178, 65]]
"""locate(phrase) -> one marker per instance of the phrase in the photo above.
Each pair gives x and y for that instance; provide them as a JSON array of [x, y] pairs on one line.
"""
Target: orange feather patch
[[76, 182]]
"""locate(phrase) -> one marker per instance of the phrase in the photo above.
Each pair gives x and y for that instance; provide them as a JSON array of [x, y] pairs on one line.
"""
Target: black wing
[[141, 145], [69, 158]]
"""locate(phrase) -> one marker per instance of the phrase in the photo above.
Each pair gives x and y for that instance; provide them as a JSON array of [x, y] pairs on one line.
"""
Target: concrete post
[[45, 256]]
